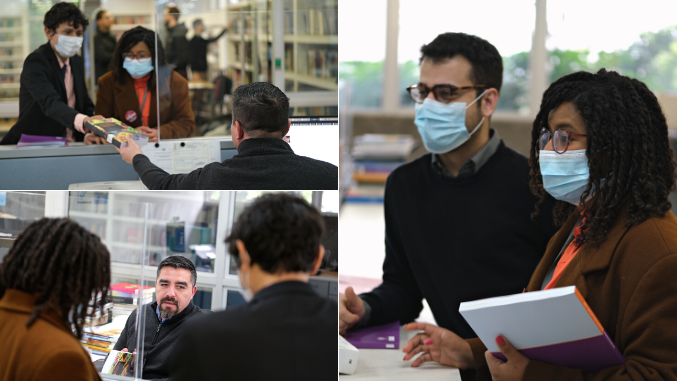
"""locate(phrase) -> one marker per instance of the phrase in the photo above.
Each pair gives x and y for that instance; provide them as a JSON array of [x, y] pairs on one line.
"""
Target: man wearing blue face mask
[[458, 220], [53, 99]]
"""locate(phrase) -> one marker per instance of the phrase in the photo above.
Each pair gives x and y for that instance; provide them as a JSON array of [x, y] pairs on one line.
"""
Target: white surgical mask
[[68, 46]]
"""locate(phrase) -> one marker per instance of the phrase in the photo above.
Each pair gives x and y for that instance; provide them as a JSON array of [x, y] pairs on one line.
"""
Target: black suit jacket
[[43, 103], [287, 332]]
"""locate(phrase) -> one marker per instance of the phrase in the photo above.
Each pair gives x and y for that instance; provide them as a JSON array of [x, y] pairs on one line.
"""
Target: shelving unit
[[14, 47], [248, 42], [126, 21]]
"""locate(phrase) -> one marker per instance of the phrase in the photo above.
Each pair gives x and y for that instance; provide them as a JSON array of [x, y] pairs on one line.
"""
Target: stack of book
[[99, 344], [375, 156], [124, 297]]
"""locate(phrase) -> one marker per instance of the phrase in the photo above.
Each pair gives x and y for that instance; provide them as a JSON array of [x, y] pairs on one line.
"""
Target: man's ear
[[288, 127], [317, 262], [245, 260], [489, 102], [194, 291], [236, 130]]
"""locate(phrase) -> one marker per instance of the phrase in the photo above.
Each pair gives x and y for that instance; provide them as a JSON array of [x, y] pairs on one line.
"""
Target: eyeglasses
[[560, 139], [143, 57], [443, 93]]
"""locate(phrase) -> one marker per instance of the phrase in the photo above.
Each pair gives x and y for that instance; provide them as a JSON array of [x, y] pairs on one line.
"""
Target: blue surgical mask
[[566, 175], [138, 68], [442, 125]]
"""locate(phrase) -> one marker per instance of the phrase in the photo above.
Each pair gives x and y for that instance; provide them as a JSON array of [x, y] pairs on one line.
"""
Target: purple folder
[[38, 140], [592, 354], [385, 336]]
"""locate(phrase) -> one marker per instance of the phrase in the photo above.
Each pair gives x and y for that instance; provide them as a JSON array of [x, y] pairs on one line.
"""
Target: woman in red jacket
[[600, 147]]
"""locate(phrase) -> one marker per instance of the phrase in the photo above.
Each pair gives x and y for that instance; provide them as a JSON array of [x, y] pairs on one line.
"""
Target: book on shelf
[[554, 326], [116, 132], [365, 193], [127, 300], [383, 146], [129, 290], [119, 363]]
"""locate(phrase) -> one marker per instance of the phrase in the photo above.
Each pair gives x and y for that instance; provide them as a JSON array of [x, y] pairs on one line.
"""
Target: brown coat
[[114, 99], [47, 350], [629, 283]]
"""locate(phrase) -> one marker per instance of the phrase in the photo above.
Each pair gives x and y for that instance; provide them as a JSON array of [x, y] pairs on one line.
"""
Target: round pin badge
[[130, 115]]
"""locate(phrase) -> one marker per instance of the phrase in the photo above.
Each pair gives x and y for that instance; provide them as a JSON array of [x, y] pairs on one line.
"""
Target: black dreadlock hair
[[628, 148], [63, 264]]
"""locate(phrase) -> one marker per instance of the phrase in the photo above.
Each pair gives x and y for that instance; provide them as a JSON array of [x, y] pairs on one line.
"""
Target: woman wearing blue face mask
[[600, 148], [129, 91]]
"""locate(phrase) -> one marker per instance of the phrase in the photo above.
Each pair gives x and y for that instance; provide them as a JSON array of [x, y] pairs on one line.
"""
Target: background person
[[600, 147], [458, 220], [264, 161], [177, 43], [46, 281], [165, 318], [128, 92], [104, 44], [198, 51], [53, 98], [286, 325]]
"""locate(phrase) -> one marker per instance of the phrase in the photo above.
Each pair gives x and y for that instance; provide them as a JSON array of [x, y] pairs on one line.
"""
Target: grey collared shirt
[[476, 162]]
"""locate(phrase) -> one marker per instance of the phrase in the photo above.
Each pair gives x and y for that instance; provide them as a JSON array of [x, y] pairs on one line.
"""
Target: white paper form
[[176, 157], [160, 155]]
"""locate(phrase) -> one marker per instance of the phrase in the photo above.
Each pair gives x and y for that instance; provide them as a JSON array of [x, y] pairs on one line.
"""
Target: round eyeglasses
[[443, 93], [560, 139]]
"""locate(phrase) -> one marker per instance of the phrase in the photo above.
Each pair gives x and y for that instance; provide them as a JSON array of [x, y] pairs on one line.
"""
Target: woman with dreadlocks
[[600, 148], [46, 281]]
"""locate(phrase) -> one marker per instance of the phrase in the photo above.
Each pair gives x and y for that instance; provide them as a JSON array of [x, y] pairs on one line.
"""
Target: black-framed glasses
[[143, 57], [443, 93], [560, 139]]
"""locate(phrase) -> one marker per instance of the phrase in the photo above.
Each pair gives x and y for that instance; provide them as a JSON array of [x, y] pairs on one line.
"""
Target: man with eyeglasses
[[458, 220]]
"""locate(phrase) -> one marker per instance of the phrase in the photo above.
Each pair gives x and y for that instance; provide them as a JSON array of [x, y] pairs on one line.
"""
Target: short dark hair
[[62, 264], [65, 13], [197, 22], [282, 233], [486, 62], [126, 43], [178, 261], [100, 13], [261, 106], [631, 163], [174, 11]]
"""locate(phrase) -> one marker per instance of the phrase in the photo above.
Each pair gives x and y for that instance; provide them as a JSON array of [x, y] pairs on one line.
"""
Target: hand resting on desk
[[439, 345], [351, 310]]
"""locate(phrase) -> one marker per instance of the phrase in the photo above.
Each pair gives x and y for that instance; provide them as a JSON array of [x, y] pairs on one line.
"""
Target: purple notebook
[[385, 336], [38, 140]]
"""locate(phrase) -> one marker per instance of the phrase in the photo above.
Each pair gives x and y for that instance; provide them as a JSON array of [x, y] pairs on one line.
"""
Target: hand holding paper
[[437, 344], [511, 370]]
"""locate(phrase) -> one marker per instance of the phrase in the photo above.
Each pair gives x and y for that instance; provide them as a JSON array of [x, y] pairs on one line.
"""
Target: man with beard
[[165, 318]]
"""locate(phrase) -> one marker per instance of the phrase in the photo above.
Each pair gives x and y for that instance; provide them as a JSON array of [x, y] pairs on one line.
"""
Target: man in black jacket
[[177, 43], [53, 98], [264, 161], [286, 331], [165, 318], [104, 44]]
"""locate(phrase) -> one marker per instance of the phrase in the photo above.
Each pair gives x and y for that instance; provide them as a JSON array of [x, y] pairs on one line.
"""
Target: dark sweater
[[287, 332], [198, 51], [454, 240], [104, 47], [159, 339], [262, 164]]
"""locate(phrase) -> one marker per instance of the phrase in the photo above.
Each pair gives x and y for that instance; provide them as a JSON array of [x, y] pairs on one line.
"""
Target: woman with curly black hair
[[47, 279], [600, 148]]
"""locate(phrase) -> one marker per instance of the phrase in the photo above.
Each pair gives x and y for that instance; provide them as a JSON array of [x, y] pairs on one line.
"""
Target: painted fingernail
[[428, 342], [500, 340]]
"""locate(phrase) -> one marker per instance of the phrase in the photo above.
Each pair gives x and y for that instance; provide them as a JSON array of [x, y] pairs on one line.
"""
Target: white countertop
[[387, 364]]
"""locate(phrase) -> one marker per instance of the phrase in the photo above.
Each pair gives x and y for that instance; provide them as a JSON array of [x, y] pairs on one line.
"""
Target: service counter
[[55, 168]]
